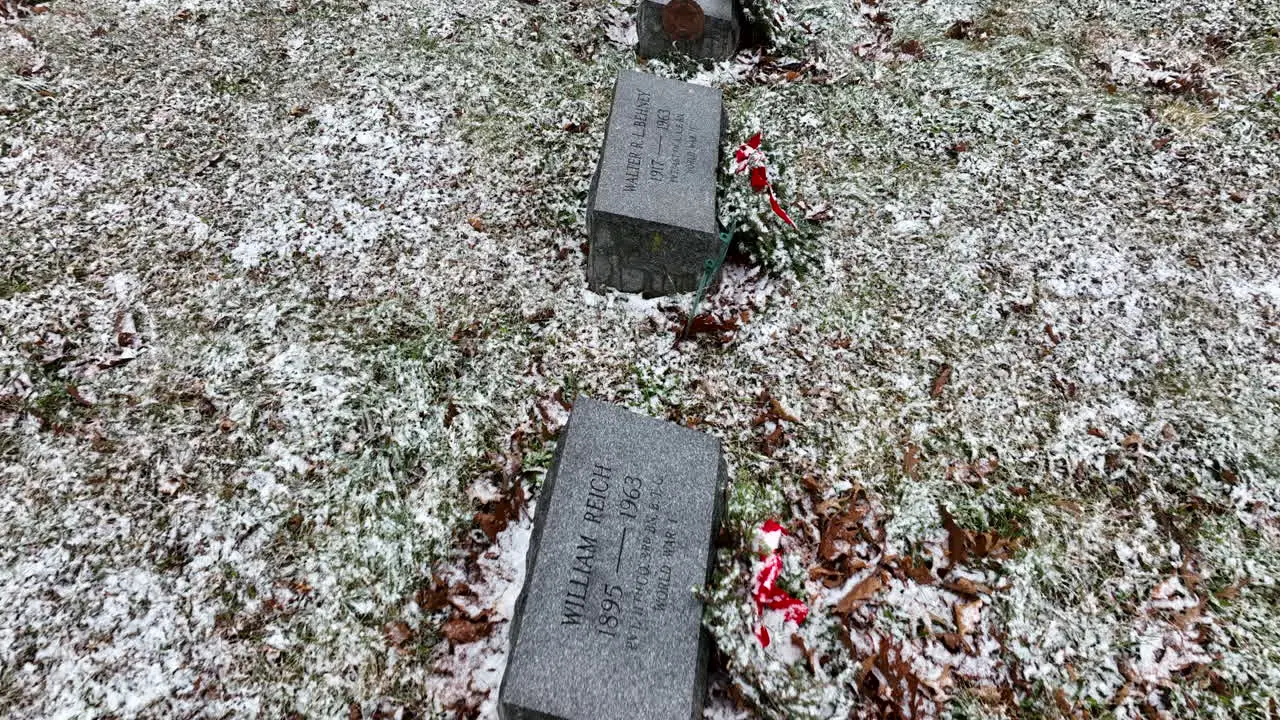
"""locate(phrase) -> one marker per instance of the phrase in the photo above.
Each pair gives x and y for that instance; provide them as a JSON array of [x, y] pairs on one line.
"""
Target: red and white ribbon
[[765, 593], [749, 158]]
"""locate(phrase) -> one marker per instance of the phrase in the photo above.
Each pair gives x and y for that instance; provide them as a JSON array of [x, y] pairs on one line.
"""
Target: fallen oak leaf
[[1060, 699], [397, 633], [910, 459], [827, 576], [708, 324], [841, 532], [780, 413], [940, 381], [967, 587], [80, 397], [967, 615], [957, 539], [952, 641], [862, 592], [770, 443], [461, 631], [913, 48], [820, 213], [1232, 591], [985, 466], [462, 598], [433, 596]]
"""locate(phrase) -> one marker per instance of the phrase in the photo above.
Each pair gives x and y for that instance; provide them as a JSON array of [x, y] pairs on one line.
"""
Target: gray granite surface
[[651, 213], [607, 626]]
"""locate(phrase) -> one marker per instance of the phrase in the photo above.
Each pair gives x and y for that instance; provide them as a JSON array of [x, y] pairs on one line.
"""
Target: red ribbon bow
[[751, 159]]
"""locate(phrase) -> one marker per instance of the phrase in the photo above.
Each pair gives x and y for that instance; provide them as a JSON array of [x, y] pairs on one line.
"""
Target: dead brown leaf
[[910, 459], [461, 631], [967, 615], [860, 593], [827, 576], [984, 467], [894, 686], [709, 324], [78, 397], [967, 587], [779, 412], [841, 532], [952, 641], [906, 567], [813, 485], [433, 596], [494, 521], [1060, 698], [940, 381], [540, 316], [964, 544], [912, 47], [397, 633], [1232, 591]]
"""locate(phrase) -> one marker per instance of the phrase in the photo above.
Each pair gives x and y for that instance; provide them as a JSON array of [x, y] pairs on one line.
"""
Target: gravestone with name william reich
[[651, 214], [607, 626], [697, 28]]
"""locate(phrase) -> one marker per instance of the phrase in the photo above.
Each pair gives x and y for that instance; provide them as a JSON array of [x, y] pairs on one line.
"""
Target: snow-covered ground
[[290, 293]]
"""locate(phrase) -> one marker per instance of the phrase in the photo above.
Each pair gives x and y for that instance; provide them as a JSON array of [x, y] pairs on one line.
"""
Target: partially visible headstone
[[651, 214], [697, 28], [607, 626]]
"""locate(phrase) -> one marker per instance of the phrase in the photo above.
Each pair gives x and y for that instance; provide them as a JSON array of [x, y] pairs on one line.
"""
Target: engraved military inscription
[[663, 144], [620, 581]]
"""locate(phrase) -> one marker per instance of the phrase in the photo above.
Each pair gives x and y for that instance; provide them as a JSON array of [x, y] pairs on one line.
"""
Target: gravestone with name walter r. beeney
[[651, 212], [607, 626]]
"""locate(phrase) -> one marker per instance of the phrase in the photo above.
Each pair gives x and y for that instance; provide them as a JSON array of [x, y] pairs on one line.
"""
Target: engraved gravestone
[[651, 214], [607, 626], [697, 28]]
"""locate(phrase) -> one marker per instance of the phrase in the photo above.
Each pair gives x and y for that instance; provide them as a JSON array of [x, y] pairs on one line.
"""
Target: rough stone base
[[646, 258]]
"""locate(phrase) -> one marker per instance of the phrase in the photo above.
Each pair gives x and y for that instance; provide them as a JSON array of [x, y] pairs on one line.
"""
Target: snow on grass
[[279, 276]]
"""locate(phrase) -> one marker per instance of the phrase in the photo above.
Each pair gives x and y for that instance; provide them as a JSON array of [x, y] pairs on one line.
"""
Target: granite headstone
[[651, 214], [607, 626], [697, 28]]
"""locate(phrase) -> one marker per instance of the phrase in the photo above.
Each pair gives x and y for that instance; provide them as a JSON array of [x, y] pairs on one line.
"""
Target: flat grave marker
[[651, 213], [607, 626]]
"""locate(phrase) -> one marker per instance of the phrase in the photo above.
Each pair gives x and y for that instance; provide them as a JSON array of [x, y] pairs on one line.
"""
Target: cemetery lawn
[[291, 293]]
